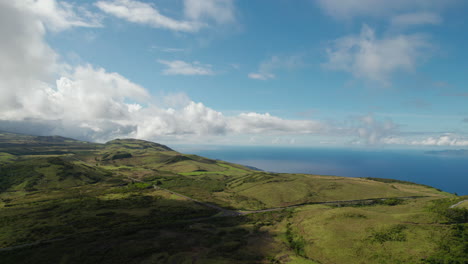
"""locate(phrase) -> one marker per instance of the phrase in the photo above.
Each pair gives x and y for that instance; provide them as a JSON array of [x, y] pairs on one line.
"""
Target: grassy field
[[376, 234], [66, 201], [464, 205]]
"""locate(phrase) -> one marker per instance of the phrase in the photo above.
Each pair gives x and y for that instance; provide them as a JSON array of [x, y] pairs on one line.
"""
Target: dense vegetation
[[133, 201]]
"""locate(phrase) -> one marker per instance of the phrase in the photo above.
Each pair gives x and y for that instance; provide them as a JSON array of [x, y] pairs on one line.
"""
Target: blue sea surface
[[448, 173]]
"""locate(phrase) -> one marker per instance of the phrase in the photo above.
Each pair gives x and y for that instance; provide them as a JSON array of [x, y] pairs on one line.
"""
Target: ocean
[[448, 173]]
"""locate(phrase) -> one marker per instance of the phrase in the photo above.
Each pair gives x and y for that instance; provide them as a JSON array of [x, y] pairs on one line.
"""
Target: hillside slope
[[134, 201]]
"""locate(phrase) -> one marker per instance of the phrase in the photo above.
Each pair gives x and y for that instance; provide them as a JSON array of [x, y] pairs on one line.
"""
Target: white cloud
[[90, 103], [178, 67], [261, 76], [175, 100], [255, 123], [87, 94], [222, 11], [147, 14], [197, 14], [59, 15], [372, 131], [368, 57], [266, 68], [347, 9], [414, 19], [443, 140], [40, 95], [168, 49], [25, 60], [446, 140]]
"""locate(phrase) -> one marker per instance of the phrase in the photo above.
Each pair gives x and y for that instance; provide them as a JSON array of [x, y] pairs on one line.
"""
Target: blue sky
[[303, 73]]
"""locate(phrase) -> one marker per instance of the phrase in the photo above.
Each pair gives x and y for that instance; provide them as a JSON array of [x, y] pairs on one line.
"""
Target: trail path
[[457, 204]]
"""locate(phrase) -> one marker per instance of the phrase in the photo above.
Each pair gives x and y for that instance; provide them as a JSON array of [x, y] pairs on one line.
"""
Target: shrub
[[394, 233]]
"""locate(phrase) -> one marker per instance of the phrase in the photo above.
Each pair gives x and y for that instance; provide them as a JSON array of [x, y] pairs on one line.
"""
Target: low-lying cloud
[[447, 140]]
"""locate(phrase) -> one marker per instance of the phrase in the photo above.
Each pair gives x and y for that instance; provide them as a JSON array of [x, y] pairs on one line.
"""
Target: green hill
[[134, 201], [47, 173]]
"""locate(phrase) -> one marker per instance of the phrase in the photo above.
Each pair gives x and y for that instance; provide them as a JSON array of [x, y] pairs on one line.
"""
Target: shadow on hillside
[[136, 229]]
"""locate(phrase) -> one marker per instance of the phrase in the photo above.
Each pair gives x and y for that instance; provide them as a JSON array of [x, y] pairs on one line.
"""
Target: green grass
[[6, 157], [403, 233], [131, 225], [47, 173], [463, 205], [276, 190], [228, 170], [100, 201]]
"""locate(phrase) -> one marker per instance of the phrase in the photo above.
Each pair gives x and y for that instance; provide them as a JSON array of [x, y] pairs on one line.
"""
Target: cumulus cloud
[[368, 57], [266, 68], [372, 131], [348, 9], [146, 14], [88, 102], [25, 60], [87, 93], [178, 67], [41, 95]]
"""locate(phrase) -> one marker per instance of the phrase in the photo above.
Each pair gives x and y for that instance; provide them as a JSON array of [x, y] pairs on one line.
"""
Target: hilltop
[[135, 201]]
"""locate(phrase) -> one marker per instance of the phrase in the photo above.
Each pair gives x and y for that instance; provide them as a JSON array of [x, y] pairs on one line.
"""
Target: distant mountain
[[9, 137]]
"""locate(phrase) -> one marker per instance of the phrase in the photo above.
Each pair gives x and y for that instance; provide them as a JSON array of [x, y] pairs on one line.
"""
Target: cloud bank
[[42, 95], [446, 140]]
